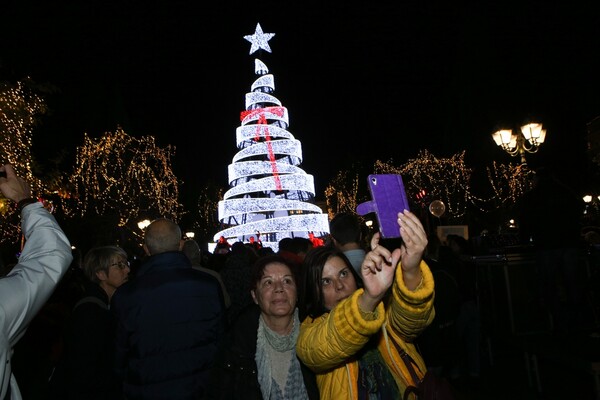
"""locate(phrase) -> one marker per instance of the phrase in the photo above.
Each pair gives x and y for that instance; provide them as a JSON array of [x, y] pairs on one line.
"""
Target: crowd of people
[[306, 322]]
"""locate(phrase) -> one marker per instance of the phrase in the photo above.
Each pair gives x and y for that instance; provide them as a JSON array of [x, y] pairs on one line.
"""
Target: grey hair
[[100, 259]]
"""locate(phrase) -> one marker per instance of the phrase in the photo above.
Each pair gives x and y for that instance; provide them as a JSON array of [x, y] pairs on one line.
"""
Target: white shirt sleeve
[[45, 258]]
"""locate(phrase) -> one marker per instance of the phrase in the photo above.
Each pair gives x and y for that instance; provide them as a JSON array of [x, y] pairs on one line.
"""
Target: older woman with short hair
[[85, 370]]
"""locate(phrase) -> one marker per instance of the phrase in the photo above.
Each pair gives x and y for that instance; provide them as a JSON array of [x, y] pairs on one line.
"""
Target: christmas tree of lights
[[270, 196]]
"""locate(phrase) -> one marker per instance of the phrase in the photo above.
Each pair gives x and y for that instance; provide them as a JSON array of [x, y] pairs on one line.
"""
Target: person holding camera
[[44, 259]]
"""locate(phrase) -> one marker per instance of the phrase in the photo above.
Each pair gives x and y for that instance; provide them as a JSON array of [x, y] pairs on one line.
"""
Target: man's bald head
[[162, 235]]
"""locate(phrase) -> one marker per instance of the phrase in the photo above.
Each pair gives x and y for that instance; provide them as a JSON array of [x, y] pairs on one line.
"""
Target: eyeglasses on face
[[121, 264]]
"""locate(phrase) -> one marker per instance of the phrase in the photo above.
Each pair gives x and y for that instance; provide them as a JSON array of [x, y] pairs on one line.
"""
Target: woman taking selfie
[[352, 337]]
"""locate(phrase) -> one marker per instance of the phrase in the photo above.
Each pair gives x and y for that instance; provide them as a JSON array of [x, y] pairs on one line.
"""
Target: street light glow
[[143, 224]]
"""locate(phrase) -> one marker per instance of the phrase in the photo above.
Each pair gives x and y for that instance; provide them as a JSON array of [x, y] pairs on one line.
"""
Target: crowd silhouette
[[184, 323]]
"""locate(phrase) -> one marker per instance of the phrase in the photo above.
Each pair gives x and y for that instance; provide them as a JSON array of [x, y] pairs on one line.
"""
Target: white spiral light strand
[[270, 196]]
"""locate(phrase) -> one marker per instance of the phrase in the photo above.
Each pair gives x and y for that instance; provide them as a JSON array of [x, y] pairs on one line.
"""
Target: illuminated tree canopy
[[509, 182], [19, 109], [208, 203], [428, 178], [341, 193], [127, 176], [449, 180]]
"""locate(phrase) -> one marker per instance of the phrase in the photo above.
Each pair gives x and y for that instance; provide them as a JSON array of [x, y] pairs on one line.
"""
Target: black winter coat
[[86, 367], [170, 320]]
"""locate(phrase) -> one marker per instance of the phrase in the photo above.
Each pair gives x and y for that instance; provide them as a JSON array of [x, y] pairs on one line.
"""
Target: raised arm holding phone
[[352, 337], [44, 259]]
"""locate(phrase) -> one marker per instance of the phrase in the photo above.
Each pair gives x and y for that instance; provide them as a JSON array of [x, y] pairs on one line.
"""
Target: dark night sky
[[400, 77]]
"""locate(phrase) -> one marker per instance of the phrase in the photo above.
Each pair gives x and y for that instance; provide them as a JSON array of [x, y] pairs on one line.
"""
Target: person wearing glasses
[[86, 368]]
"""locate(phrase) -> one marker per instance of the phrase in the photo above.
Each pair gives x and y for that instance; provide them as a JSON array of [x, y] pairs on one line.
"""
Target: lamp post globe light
[[528, 140]]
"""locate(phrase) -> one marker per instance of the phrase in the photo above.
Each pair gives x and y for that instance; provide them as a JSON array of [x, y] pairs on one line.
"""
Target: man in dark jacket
[[170, 317]]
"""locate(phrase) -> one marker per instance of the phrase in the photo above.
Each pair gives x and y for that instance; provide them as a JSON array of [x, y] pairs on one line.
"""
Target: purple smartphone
[[388, 199]]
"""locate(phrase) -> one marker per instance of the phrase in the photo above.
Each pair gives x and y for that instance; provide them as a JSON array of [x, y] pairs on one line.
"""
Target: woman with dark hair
[[311, 296], [258, 358], [353, 338]]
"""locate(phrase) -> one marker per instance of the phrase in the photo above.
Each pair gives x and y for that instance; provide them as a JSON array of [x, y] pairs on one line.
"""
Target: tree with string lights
[[449, 179], [20, 107], [428, 178], [119, 179], [205, 217], [341, 193], [509, 182]]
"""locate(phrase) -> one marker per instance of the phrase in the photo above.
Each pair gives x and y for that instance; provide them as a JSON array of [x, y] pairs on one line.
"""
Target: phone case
[[388, 199]]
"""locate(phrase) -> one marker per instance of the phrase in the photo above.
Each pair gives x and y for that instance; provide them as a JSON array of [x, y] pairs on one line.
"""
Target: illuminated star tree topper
[[259, 40]]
